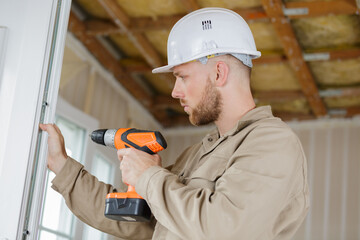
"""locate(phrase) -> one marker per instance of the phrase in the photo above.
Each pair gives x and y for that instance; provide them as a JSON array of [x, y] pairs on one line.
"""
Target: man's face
[[197, 93]]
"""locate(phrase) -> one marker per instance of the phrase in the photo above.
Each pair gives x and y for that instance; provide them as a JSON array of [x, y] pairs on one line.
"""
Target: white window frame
[[102, 152], [66, 110]]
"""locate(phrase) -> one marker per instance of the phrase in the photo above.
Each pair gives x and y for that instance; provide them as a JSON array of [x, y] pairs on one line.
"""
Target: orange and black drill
[[129, 206]]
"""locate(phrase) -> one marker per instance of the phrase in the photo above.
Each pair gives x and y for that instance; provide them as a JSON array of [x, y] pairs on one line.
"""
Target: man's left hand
[[133, 163]]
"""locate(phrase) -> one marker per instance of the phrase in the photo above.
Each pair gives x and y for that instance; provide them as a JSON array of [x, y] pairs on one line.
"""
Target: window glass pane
[[102, 169], [56, 216], [75, 137], [51, 236], [91, 233]]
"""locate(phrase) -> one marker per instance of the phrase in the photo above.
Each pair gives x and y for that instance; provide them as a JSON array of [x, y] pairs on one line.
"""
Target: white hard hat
[[208, 32]]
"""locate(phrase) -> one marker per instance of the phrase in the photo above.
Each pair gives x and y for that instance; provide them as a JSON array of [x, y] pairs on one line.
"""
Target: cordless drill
[[128, 206]]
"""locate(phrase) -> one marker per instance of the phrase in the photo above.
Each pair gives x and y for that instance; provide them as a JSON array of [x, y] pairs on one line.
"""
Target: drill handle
[[131, 188]]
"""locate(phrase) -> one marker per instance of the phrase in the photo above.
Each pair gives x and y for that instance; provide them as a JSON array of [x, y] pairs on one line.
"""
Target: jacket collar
[[212, 139], [250, 117]]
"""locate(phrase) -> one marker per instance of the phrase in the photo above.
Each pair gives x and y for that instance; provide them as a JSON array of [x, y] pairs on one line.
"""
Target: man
[[245, 180]]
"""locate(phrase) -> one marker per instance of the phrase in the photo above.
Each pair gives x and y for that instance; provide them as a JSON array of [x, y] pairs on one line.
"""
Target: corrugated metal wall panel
[[333, 151]]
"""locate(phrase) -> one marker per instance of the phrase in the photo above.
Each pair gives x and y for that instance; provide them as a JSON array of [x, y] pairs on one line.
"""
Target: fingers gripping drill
[[129, 206]]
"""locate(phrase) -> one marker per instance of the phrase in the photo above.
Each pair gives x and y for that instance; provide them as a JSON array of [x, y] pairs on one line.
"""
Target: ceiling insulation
[[343, 102], [231, 4], [336, 73], [275, 76], [333, 31]]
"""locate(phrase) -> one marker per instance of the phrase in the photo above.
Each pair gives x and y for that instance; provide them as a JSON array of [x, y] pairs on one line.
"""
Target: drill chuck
[[98, 136], [104, 136]]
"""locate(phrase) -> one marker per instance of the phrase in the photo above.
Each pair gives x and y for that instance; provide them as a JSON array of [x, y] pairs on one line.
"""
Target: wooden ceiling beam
[[122, 21], [254, 13], [319, 8], [314, 55], [138, 68], [268, 59], [190, 5], [352, 111], [346, 112], [150, 24], [293, 52], [336, 54], [344, 54], [77, 27], [340, 92], [278, 96], [95, 27]]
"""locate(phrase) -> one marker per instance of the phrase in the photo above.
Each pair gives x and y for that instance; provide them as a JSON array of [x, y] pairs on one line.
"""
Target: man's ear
[[222, 72]]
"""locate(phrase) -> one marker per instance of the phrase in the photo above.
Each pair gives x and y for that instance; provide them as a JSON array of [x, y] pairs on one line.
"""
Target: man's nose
[[176, 92]]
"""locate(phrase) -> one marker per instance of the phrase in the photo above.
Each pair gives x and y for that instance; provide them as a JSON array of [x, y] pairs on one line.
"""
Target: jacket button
[[210, 139]]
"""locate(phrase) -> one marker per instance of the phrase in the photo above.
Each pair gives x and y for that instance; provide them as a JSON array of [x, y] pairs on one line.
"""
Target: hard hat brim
[[169, 67], [164, 69]]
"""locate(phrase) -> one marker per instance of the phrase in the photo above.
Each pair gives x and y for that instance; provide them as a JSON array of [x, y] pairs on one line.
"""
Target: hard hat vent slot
[[206, 25]]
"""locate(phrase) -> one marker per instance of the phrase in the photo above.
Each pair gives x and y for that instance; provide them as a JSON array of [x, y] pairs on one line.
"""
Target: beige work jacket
[[249, 184]]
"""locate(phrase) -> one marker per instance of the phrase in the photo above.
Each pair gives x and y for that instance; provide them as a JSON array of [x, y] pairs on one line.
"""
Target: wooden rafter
[[344, 112], [341, 54], [352, 111], [278, 96], [320, 8], [190, 5], [77, 27], [266, 59], [122, 21], [293, 52], [101, 27], [340, 92]]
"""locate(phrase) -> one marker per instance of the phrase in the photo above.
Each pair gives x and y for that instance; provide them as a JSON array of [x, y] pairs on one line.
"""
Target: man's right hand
[[56, 148]]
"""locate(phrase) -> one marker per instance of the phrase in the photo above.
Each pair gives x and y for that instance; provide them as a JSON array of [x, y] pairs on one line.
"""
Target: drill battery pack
[[124, 207]]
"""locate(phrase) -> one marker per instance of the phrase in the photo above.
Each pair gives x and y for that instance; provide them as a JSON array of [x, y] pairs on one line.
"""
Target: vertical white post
[[31, 67], [3, 38]]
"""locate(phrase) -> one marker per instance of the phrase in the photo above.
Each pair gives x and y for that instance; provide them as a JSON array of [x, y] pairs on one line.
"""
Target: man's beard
[[209, 108]]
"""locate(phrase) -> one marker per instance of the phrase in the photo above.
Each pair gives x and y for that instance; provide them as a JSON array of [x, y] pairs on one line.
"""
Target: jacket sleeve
[[261, 178], [85, 197]]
